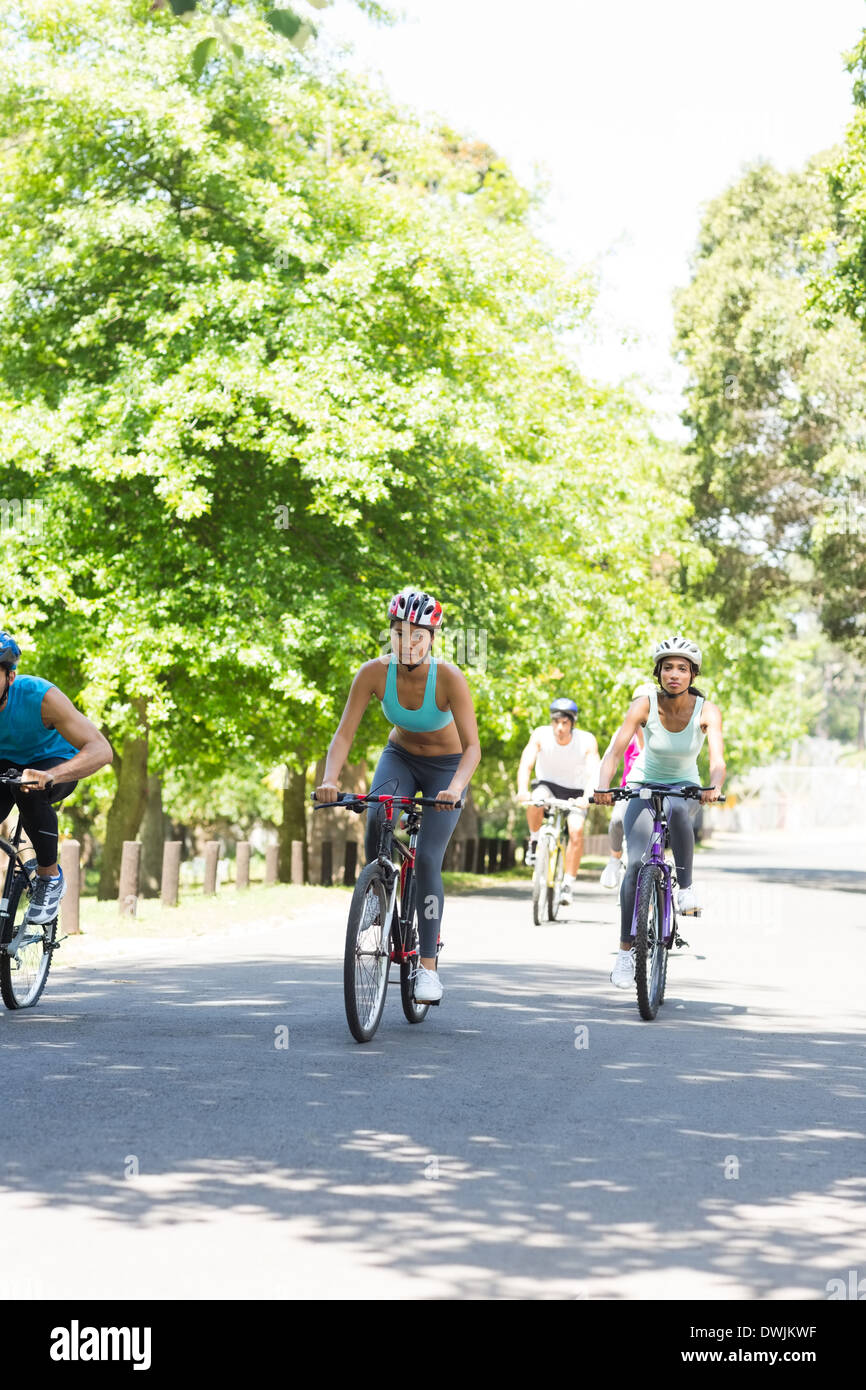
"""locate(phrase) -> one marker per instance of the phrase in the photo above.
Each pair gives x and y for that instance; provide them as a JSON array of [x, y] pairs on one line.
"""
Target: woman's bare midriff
[[432, 745]]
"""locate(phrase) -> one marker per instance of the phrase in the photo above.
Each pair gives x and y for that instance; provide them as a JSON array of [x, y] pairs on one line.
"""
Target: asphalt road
[[532, 1139]]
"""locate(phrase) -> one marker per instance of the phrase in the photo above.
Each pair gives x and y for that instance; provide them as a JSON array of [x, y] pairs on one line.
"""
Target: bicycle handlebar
[[17, 781], [646, 790], [556, 803], [352, 802]]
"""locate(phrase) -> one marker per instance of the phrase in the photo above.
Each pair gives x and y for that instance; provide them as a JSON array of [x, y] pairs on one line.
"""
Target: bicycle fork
[[10, 945]]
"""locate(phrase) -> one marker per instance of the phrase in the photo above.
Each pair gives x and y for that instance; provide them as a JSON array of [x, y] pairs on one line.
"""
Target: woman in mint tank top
[[675, 718], [433, 749]]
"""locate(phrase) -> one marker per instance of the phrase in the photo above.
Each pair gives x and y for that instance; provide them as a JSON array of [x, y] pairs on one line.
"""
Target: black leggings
[[38, 815]]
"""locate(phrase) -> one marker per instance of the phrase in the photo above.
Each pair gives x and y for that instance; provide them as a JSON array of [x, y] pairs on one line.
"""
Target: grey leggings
[[406, 774], [638, 825]]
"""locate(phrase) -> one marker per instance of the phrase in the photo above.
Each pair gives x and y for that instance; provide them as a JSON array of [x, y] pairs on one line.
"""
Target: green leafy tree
[[776, 402]]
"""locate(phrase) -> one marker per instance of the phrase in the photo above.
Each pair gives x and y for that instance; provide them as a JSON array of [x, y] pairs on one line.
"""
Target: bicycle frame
[[16, 864], [404, 876], [399, 876], [659, 841]]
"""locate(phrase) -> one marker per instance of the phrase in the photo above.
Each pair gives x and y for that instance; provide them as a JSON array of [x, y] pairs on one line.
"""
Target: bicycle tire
[[539, 881], [554, 885], [650, 953], [23, 977], [367, 957], [413, 1011]]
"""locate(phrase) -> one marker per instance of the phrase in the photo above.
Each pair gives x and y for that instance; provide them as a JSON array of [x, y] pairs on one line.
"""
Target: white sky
[[637, 113]]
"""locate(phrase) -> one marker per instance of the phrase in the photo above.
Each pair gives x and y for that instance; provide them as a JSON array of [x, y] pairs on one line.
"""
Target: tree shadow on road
[[532, 1138]]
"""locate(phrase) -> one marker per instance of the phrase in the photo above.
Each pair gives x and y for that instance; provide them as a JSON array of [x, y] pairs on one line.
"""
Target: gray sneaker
[[45, 901]]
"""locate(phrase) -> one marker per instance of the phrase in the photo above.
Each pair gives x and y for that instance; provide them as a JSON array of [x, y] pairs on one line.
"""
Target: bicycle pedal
[[678, 940]]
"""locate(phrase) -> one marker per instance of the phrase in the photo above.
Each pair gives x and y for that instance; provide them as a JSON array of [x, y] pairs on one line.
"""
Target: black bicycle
[[25, 948], [382, 925]]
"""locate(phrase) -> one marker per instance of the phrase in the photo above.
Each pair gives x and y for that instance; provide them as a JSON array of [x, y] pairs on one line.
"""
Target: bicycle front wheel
[[650, 952], [555, 871], [368, 955], [539, 881], [23, 974]]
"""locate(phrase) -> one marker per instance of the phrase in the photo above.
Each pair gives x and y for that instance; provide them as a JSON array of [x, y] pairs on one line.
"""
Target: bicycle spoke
[[368, 958]]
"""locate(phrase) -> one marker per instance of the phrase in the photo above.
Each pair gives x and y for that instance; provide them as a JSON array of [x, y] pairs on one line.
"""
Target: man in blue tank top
[[41, 731]]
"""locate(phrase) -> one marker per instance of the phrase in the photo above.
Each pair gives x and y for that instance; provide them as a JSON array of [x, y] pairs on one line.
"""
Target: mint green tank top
[[668, 757], [415, 721]]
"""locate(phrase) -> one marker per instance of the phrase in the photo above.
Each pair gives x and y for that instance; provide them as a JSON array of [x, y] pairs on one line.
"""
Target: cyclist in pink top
[[614, 868]]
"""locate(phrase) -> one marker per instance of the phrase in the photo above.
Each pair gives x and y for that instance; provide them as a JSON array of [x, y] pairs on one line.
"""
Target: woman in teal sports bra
[[675, 719], [433, 749]]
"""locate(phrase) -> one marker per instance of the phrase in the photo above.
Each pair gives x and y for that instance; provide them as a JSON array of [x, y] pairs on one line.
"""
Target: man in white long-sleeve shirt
[[566, 763]]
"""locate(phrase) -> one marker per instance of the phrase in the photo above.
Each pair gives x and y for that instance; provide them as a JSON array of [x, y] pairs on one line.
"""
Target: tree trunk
[[127, 808], [154, 833], [294, 824]]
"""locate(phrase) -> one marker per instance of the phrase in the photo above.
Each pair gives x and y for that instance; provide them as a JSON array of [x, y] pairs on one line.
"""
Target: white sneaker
[[428, 986], [530, 853], [688, 904], [612, 873], [565, 893], [622, 974]]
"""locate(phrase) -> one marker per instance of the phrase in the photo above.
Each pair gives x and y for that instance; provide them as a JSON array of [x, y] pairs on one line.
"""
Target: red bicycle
[[382, 924]]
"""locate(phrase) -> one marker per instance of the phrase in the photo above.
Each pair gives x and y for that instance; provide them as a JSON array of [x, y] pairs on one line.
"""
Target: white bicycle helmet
[[678, 646], [414, 606]]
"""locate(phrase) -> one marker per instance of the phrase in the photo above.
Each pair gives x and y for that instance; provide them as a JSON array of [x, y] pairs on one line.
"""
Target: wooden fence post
[[211, 859], [327, 869], [243, 863], [130, 868], [272, 863], [351, 864], [70, 864], [170, 872]]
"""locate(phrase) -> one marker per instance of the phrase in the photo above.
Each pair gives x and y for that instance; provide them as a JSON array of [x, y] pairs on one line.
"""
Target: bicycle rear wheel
[[650, 952], [23, 974], [412, 1009], [368, 955], [539, 881]]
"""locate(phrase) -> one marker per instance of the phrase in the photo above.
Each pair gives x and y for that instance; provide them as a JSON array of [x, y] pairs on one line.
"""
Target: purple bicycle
[[654, 920]]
